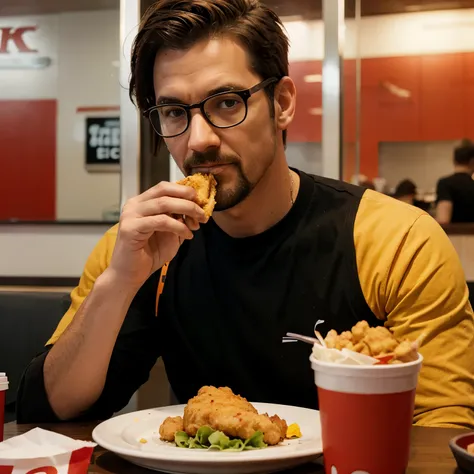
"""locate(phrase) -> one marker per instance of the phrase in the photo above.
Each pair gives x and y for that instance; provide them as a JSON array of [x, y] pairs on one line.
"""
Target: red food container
[[366, 415], [3, 389]]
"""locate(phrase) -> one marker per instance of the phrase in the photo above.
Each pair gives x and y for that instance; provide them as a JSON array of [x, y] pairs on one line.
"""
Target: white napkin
[[41, 448], [343, 357]]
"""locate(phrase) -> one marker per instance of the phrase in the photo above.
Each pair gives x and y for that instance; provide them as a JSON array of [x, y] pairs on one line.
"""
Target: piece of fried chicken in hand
[[170, 426], [205, 186], [222, 410]]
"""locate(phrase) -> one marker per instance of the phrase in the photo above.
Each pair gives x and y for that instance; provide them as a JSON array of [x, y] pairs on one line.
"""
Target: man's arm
[[412, 278], [76, 367], [444, 203], [444, 212], [93, 376]]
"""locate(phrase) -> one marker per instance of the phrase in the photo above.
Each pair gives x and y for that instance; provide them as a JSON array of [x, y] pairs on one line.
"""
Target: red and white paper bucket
[[76, 462], [41, 451], [366, 415], [3, 389]]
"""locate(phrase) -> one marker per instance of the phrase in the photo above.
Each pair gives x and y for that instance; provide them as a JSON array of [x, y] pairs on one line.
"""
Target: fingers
[[171, 205], [167, 207], [165, 188], [193, 224], [162, 223]]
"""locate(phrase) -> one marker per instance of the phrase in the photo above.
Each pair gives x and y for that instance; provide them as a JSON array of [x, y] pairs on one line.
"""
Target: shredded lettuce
[[181, 439], [207, 438]]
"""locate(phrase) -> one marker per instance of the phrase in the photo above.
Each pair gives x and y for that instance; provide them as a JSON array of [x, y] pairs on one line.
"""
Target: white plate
[[121, 435]]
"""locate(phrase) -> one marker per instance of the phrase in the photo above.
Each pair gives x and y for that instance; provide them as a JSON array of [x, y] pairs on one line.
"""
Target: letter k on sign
[[14, 36]]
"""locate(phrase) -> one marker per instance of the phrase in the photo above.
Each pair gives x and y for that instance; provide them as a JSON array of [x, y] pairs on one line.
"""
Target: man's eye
[[174, 113], [228, 103]]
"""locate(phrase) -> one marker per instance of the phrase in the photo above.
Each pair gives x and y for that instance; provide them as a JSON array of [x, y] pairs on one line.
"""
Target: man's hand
[[149, 235]]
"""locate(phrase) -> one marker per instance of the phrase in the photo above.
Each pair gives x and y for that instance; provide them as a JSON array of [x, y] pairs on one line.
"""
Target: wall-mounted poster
[[102, 144]]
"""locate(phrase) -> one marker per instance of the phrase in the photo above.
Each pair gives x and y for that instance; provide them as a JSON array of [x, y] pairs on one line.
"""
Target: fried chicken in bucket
[[377, 342], [222, 410]]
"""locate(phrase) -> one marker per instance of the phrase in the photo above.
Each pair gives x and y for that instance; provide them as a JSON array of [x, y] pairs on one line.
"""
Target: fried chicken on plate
[[222, 410], [170, 426]]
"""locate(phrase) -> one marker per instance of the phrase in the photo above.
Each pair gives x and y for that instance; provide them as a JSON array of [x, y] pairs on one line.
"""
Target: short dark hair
[[405, 188], [464, 154], [179, 24]]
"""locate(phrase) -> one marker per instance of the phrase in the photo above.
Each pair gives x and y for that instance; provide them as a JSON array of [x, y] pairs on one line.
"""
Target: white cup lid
[[3, 381]]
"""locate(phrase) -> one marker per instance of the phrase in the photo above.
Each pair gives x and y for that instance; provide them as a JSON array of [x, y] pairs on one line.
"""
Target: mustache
[[211, 157]]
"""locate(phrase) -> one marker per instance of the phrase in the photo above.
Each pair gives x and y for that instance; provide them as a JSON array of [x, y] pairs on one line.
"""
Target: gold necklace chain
[[291, 189]]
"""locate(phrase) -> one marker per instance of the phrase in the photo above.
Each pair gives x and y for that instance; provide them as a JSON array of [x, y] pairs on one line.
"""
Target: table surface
[[430, 453]]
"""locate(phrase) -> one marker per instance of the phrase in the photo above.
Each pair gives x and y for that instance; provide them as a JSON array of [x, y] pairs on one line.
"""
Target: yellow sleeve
[[412, 278], [97, 262]]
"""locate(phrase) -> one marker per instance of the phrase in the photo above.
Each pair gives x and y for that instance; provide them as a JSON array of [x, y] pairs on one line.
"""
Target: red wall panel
[[306, 126], [28, 159], [442, 97], [392, 118], [468, 74], [349, 100]]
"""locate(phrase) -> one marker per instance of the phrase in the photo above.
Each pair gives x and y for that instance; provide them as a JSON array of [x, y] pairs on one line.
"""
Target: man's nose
[[202, 134]]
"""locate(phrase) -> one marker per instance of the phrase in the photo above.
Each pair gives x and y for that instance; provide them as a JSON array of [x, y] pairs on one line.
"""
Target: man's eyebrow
[[216, 90], [226, 88], [168, 100]]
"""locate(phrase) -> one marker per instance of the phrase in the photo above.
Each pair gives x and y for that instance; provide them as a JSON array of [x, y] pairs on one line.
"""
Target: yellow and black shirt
[[342, 254]]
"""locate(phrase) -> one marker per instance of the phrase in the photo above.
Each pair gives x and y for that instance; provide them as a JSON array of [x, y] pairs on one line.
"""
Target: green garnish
[[207, 438]]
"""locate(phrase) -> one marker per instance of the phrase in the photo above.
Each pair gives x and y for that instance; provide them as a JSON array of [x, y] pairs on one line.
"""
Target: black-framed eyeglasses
[[222, 110]]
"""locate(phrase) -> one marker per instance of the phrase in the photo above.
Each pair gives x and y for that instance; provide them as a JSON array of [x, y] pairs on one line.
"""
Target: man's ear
[[285, 102]]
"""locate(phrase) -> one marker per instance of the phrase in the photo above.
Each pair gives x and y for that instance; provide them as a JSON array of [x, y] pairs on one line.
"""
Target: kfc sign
[[17, 50]]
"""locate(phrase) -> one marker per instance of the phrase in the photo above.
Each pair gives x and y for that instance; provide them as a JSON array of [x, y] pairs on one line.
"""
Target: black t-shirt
[[227, 303], [459, 189]]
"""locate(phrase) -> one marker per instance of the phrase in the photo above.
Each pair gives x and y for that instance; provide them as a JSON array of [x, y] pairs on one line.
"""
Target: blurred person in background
[[455, 193], [213, 297], [406, 191]]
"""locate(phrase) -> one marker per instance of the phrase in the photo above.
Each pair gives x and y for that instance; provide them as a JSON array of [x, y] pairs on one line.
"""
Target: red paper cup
[[366, 415], [3, 389]]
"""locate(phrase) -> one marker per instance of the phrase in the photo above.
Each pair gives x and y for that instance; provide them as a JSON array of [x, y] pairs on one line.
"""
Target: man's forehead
[[202, 66]]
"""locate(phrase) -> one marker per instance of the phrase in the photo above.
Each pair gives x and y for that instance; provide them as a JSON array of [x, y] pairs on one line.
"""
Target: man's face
[[238, 157]]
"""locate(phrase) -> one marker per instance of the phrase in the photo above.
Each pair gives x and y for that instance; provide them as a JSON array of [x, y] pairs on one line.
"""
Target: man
[[282, 250], [406, 191], [455, 193]]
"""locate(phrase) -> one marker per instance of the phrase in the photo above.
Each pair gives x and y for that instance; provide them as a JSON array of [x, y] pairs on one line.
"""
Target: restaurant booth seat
[[27, 321]]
